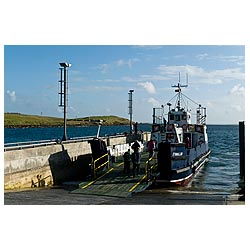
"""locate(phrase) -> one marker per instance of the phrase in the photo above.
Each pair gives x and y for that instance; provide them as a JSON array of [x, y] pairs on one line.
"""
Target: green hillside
[[14, 120]]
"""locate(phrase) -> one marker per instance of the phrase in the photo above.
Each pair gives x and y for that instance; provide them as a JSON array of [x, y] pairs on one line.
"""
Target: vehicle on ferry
[[182, 146]]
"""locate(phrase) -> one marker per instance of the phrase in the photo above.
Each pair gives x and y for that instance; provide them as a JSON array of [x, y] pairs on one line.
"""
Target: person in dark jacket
[[136, 160], [151, 148], [136, 146], [127, 160]]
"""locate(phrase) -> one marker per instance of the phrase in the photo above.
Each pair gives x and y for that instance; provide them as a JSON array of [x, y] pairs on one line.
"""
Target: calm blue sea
[[35, 134], [220, 174]]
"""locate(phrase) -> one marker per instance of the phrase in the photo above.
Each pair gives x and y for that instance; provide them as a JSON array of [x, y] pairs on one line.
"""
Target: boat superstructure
[[182, 146]]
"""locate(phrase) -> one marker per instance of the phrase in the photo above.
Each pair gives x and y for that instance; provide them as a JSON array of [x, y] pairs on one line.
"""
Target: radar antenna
[[178, 90]]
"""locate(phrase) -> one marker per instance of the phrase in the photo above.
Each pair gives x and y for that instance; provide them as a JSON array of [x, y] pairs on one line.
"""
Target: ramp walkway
[[113, 182]]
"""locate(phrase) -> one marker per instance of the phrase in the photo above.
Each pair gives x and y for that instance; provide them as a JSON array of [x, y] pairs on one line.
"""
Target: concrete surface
[[54, 163], [60, 196]]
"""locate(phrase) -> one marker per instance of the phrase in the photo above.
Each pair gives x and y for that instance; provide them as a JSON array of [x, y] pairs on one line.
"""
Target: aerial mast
[[63, 94], [178, 90], [130, 109]]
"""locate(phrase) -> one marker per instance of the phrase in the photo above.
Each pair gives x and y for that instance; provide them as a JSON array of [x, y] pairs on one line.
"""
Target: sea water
[[220, 174], [52, 133]]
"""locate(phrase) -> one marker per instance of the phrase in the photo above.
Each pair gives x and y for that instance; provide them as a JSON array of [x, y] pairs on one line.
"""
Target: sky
[[101, 76]]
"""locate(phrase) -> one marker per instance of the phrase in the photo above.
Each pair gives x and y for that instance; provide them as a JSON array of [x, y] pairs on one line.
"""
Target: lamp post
[[63, 94], [130, 110]]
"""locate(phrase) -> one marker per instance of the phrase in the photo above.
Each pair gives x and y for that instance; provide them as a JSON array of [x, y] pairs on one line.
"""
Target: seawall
[[55, 163]]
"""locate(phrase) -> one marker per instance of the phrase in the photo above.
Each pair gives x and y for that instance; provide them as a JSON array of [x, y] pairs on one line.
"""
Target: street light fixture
[[65, 64]]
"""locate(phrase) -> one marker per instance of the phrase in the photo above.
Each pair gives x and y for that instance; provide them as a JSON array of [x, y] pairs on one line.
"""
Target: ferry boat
[[182, 146]]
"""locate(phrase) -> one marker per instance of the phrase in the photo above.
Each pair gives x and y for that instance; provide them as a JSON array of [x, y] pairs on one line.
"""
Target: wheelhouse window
[[177, 117], [171, 117]]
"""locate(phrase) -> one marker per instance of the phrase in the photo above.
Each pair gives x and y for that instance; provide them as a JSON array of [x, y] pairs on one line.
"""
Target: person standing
[[151, 147], [136, 146], [127, 160], [136, 160], [188, 144]]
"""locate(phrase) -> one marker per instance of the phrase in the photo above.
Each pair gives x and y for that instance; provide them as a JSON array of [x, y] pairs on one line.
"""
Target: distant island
[[17, 120]]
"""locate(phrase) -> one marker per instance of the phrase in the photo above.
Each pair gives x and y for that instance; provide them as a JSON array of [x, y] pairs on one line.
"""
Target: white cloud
[[106, 67], [106, 88], [200, 75], [103, 68], [128, 62], [155, 77], [202, 56], [120, 62], [12, 95], [227, 108], [129, 79], [148, 86], [237, 90], [153, 101], [239, 60], [178, 56], [173, 70], [237, 107], [106, 80]]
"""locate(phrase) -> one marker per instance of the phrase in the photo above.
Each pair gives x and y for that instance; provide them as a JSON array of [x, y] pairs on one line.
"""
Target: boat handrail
[[96, 160], [149, 167]]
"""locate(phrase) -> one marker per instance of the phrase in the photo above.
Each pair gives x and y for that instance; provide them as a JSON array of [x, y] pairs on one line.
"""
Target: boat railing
[[201, 114], [98, 163], [150, 168], [202, 120]]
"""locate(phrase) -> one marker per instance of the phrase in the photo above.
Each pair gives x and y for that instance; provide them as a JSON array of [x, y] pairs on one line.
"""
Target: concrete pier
[[60, 196], [46, 165]]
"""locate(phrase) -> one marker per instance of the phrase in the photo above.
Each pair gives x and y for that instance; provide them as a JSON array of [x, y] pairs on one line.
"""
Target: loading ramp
[[113, 182]]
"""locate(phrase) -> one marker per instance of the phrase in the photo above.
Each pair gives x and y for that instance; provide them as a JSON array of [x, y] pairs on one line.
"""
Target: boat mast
[[178, 90]]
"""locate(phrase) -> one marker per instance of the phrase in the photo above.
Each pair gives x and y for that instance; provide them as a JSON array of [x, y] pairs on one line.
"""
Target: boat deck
[[113, 182]]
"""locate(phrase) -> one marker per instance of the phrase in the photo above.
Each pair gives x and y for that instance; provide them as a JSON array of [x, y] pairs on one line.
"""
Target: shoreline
[[91, 125], [60, 126], [18, 120]]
